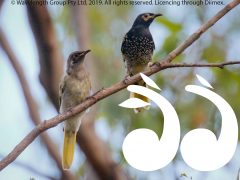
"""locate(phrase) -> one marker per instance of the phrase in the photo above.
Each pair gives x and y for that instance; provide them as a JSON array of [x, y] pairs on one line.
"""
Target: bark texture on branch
[[115, 88]]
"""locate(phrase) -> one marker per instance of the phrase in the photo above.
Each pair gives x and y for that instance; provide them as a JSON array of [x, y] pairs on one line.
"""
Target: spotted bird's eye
[[145, 17]]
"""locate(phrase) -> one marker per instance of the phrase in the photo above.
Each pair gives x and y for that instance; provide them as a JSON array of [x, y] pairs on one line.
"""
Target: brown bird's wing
[[61, 91]]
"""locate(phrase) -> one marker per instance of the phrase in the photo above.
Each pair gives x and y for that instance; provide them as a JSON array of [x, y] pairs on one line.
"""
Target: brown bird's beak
[[157, 15], [87, 51]]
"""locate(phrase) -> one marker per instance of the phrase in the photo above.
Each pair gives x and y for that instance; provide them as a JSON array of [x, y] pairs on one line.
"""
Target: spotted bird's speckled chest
[[137, 47]]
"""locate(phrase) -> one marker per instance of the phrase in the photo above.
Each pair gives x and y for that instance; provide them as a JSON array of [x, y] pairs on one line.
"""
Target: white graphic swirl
[[142, 148], [200, 148]]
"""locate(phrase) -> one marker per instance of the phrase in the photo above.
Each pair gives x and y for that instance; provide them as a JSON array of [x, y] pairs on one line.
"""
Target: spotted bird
[[137, 49]]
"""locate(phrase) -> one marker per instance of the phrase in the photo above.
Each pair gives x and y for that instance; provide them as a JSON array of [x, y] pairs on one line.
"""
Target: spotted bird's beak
[[157, 15]]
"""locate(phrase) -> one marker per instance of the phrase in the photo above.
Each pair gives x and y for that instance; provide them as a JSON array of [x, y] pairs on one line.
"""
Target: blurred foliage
[[172, 40], [215, 52]]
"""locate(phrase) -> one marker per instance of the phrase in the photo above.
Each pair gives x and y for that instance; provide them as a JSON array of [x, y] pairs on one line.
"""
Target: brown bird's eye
[[75, 59], [74, 62]]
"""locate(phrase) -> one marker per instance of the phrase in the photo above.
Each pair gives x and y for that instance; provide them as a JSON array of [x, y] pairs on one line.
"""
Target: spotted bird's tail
[[135, 95]]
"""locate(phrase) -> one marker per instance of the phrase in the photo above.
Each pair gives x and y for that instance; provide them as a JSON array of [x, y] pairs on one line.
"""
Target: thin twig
[[218, 65], [113, 89], [200, 31]]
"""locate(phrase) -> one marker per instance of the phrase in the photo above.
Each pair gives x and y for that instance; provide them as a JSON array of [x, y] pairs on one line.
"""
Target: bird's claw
[[150, 64], [126, 79]]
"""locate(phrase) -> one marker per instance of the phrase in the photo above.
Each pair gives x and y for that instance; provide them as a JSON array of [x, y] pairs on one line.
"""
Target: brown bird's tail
[[68, 148], [135, 95]]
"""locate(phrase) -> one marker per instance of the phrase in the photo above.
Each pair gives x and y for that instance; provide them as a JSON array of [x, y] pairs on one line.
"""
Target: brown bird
[[137, 49], [74, 89]]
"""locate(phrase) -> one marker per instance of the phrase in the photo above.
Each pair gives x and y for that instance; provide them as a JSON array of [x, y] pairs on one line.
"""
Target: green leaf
[[173, 27]]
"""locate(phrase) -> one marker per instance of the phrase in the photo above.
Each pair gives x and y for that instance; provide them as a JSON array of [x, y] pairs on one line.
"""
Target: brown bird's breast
[[76, 90]]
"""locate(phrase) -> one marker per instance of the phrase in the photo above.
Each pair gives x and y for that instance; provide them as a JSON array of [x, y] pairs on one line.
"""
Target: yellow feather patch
[[68, 148], [135, 95]]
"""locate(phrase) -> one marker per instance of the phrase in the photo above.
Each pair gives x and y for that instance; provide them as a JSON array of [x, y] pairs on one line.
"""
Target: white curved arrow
[[200, 148], [142, 148]]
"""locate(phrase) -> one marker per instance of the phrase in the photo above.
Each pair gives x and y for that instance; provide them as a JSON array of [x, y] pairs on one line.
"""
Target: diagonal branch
[[31, 104], [115, 88], [47, 124]]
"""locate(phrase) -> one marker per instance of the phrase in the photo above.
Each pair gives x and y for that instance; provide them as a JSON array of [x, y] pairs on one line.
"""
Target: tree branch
[[50, 59], [89, 102], [31, 104], [115, 88], [218, 65], [1, 3]]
